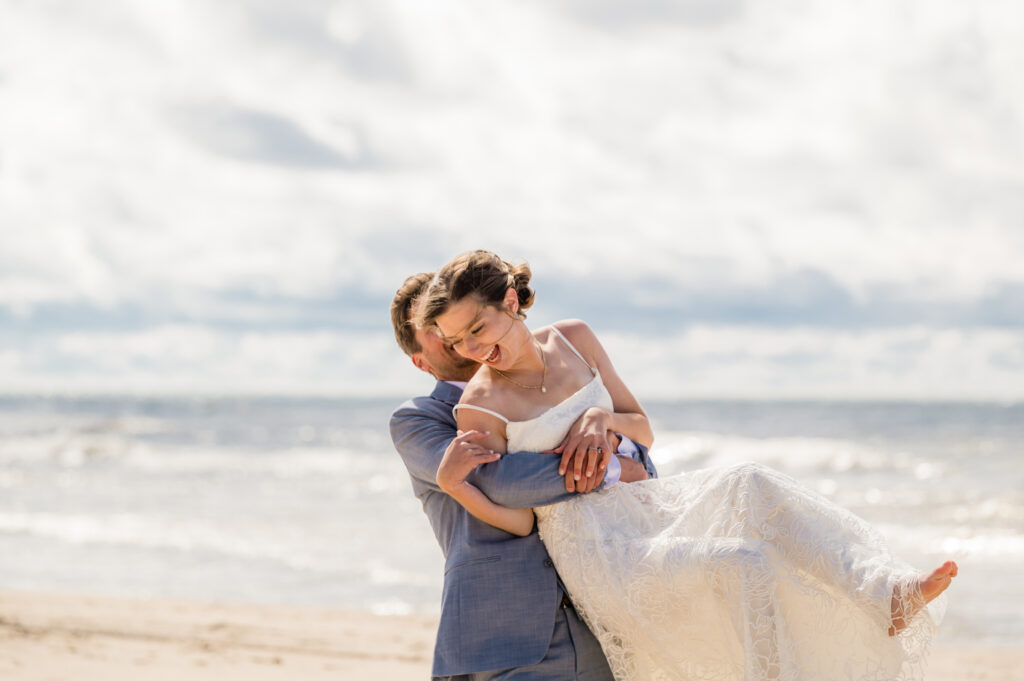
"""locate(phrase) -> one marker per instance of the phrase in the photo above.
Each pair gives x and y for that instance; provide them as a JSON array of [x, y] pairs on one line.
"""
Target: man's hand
[[589, 483], [461, 457], [585, 450], [585, 484]]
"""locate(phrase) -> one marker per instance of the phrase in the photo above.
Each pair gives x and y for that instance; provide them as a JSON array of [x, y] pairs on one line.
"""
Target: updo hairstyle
[[480, 273]]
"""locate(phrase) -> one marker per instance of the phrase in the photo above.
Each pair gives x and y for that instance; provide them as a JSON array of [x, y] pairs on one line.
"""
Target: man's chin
[[460, 363], [465, 371]]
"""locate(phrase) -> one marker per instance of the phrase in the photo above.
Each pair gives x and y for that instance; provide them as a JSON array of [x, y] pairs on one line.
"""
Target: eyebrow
[[452, 340]]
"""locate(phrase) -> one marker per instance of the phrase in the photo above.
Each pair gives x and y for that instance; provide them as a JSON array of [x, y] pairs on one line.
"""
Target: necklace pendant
[[543, 389]]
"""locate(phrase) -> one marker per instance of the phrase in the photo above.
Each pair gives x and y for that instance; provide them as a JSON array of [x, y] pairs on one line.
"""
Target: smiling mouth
[[491, 357]]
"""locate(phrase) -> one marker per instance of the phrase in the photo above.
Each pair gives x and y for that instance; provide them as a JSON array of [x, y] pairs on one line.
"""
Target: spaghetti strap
[[573, 348], [483, 409]]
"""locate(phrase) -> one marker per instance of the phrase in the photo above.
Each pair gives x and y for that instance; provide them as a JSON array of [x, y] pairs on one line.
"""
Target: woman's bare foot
[[929, 588]]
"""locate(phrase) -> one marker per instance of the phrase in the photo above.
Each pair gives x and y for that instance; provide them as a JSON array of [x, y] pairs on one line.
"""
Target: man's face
[[440, 359]]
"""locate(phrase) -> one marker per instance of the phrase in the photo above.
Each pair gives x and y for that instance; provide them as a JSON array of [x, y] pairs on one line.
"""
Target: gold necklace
[[543, 375]]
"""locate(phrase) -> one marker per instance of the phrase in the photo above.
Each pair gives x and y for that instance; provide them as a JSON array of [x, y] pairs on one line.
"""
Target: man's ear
[[421, 363]]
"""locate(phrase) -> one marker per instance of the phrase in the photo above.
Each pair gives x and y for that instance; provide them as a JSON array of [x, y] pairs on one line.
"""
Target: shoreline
[[51, 637]]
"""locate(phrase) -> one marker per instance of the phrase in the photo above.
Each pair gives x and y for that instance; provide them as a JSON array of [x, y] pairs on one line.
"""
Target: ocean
[[304, 501]]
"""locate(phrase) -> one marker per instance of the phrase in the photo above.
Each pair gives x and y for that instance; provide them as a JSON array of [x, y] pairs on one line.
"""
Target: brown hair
[[479, 273], [402, 311]]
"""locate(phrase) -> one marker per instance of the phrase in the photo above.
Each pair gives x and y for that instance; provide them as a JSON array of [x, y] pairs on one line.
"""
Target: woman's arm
[[476, 444], [626, 418]]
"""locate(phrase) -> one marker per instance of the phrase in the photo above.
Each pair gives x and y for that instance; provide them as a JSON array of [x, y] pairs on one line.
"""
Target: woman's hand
[[585, 443], [461, 457]]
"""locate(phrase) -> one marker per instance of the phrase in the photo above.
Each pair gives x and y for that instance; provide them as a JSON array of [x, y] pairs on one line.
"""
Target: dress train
[[735, 573]]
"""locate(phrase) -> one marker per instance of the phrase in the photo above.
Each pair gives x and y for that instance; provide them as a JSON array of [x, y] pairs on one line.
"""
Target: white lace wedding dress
[[734, 573]]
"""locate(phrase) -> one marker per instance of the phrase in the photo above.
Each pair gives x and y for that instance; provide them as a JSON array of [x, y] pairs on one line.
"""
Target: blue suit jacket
[[501, 592]]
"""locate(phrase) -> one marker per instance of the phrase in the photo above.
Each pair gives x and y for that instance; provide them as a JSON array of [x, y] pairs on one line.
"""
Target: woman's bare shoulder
[[579, 333], [573, 327], [482, 390]]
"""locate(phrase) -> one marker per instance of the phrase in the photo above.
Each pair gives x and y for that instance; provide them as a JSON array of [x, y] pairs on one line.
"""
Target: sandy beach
[[47, 637], [50, 637]]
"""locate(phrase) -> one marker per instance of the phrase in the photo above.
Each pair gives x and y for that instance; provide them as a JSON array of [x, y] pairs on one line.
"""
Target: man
[[504, 612]]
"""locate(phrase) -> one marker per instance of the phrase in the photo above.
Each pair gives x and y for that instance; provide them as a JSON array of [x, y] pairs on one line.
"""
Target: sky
[[745, 200]]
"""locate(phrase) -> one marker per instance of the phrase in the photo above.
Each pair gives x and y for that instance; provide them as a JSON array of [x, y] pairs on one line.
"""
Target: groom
[[504, 611]]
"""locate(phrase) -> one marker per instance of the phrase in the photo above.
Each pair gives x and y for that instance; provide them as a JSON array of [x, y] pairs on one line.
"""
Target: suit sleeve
[[527, 479], [421, 440], [517, 480], [520, 480], [644, 457]]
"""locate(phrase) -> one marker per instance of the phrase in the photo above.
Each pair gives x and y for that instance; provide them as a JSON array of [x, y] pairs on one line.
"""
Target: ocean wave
[[683, 450], [957, 542], [70, 450], [283, 463], [149, 532]]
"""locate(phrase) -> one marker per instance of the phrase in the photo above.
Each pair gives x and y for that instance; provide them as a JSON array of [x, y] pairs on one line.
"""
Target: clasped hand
[[461, 457], [586, 451]]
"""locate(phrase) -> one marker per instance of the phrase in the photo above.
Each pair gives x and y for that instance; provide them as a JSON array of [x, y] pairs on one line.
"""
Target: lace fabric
[[735, 573]]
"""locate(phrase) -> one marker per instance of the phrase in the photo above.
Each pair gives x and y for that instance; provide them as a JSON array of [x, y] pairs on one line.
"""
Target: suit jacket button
[[548, 563]]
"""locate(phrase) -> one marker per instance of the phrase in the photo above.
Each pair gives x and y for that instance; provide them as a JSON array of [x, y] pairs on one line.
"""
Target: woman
[[734, 573]]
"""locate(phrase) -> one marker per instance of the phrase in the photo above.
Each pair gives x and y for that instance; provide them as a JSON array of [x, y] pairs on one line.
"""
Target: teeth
[[491, 356]]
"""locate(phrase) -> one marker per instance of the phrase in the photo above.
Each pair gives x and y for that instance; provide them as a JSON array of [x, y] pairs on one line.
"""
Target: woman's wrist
[[454, 488], [602, 417]]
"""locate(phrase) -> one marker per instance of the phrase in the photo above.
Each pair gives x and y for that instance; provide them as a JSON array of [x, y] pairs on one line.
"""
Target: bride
[[718, 574]]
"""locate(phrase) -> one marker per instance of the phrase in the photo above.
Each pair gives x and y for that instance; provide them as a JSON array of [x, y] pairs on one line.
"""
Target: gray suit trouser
[[574, 655]]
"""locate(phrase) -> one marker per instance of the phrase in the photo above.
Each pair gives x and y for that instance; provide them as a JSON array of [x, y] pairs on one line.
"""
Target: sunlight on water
[[305, 501]]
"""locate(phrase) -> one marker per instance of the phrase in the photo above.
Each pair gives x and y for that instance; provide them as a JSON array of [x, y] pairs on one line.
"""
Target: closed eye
[[455, 342]]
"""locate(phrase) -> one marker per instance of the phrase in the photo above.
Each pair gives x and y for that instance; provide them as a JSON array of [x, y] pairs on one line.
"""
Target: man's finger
[[563, 465], [593, 482], [594, 455], [570, 484], [578, 468], [586, 484], [568, 448], [606, 453]]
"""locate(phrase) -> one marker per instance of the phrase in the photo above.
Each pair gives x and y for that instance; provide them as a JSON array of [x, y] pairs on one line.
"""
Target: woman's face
[[480, 332]]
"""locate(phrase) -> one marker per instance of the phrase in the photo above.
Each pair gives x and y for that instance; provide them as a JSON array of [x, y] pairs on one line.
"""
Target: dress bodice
[[547, 430]]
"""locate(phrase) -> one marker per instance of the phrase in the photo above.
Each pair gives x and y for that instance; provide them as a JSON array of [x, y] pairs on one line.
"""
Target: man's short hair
[[401, 311]]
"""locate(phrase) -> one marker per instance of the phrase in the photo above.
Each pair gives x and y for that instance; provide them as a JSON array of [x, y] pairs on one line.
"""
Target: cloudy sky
[[789, 199]]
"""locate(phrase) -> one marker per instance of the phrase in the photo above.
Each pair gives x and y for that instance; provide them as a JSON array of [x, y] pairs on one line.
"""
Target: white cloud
[[903, 363], [183, 157], [703, 361], [194, 359]]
